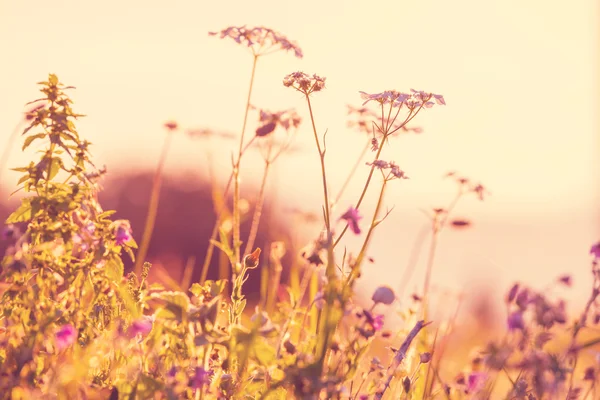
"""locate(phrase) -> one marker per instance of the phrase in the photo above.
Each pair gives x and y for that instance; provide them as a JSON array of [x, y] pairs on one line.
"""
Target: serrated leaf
[[54, 167], [22, 214], [52, 79], [30, 139]]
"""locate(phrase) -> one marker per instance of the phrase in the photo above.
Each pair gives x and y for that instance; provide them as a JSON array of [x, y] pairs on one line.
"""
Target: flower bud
[[384, 295]]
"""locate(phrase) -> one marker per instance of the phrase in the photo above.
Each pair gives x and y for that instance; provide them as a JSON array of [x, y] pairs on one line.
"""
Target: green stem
[[257, 210], [152, 207], [236, 172]]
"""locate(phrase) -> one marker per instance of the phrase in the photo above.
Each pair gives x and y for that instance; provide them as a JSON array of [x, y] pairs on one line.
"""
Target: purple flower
[[201, 378], [352, 217], [65, 336], [142, 326], [515, 321], [595, 251], [476, 381], [123, 233], [375, 320]]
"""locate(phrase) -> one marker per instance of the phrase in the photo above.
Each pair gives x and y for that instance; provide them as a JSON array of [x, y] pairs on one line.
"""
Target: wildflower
[[425, 358], [65, 336], [566, 280], [375, 321], [171, 125], [123, 232], [480, 191], [352, 217], [406, 384], [270, 120], [387, 97], [476, 381], [590, 374], [261, 40], [384, 295], [595, 251], [304, 83], [201, 378], [141, 327], [319, 300], [515, 321], [460, 223]]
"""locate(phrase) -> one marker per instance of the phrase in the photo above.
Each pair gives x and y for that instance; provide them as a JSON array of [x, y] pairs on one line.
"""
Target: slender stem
[[236, 172], [409, 117], [437, 226], [257, 210], [323, 174], [432, 248], [374, 223], [351, 174], [152, 207], [213, 235]]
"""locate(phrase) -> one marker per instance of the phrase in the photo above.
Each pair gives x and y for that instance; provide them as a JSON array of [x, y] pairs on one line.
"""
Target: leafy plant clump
[[74, 325]]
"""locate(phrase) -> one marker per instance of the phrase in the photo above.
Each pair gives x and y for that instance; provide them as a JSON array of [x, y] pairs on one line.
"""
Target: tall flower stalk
[[154, 200], [261, 41]]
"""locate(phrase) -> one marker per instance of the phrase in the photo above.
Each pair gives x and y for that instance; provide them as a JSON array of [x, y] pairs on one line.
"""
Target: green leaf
[[114, 269], [277, 394], [176, 306], [54, 167], [262, 352], [30, 139], [196, 289], [22, 214], [106, 214]]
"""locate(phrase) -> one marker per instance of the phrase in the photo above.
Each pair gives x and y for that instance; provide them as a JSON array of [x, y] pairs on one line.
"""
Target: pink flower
[[304, 83], [352, 217], [142, 326], [201, 378], [260, 39], [595, 251], [515, 321], [123, 232], [374, 320], [476, 381], [171, 125], [65, 336]]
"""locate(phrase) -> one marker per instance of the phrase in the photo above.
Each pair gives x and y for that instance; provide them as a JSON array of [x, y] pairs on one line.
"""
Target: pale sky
[[519, 78]]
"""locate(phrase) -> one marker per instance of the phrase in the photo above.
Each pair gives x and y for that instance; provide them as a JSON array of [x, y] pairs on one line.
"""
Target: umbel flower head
[[416, 99], [304, 83], [259, 39]]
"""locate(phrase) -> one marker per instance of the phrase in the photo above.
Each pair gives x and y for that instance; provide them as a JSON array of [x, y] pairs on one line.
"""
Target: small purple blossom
[[304, 83], [595, 251], [374, 320], [476, 381], [141, 326], [201, 378], [260, 39], [65, 336], [515, 321], [352, 217], [123, 232]]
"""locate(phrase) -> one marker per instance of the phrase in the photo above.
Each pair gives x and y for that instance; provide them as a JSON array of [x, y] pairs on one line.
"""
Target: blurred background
[[520, 79]]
